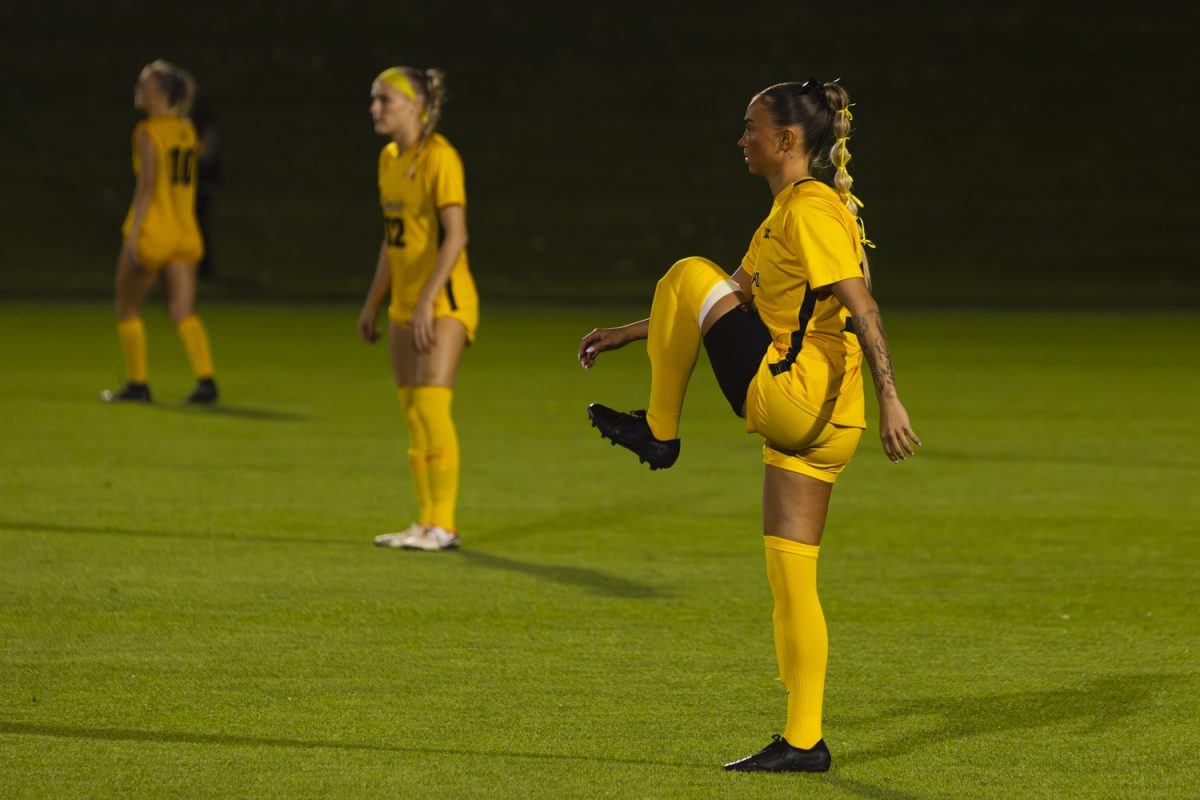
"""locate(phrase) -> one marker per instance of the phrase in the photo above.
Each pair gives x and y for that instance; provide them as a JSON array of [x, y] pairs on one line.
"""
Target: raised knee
[[692, 264], [687, 269]]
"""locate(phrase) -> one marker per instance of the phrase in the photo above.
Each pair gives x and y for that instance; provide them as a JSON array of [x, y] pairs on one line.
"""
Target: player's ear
[[787, 139]]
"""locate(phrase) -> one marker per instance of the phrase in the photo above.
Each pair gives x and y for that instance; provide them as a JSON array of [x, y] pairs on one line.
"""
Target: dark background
[[1032, 155]]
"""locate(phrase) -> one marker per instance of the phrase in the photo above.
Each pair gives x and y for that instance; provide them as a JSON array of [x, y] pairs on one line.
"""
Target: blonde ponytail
[[426, 85], [839, 155], [177, 83], [434, 81]]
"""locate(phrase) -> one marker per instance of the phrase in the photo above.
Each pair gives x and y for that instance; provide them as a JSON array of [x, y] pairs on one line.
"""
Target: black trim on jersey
[[450, 294], [806, 311], [807, 305]]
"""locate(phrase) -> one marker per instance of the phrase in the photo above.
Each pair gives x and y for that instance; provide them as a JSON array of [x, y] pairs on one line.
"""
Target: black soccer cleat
[[205, 392], [779, 756], [129, 393], [632, 432]]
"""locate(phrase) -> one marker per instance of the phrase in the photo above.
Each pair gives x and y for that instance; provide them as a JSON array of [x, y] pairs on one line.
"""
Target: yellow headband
[[395, 78]]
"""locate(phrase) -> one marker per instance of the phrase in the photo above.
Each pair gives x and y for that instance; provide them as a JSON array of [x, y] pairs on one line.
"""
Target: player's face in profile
[[759, 139], [391, 110], [145, 87]]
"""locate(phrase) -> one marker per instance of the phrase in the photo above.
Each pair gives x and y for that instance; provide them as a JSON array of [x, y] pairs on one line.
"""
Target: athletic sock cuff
[[791, 546]]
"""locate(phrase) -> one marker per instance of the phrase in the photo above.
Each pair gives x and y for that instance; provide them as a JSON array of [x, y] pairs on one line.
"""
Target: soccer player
[[434, 307], [786, 335], [161, 235]]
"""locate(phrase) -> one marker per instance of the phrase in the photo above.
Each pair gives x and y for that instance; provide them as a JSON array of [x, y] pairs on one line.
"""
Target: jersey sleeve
[[827, 242], [446, 182], [751, 257]]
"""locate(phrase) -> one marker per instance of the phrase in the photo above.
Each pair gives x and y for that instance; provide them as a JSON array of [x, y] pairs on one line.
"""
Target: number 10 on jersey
[[183, 165]]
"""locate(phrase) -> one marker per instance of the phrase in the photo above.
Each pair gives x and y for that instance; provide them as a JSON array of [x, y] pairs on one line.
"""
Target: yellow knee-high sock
[[195, 342], [801, 640], [673, 341], [432, 404], [132, 335], [418, 455]]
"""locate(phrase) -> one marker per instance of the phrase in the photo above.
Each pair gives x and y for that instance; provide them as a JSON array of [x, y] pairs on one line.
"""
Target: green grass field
[[190, 605]]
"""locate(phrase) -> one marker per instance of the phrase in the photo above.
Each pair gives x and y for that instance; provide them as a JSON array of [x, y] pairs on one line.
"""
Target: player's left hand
[[895, 431], [422, 326]]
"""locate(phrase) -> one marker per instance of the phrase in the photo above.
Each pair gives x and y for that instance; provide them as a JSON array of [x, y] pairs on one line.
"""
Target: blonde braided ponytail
[[839, 155], [429, 87], [434, 82]]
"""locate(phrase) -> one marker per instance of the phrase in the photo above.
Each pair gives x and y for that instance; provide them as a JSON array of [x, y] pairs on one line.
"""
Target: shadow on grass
[[104, 530], [175, 737], [589, 579], [867, 790], [582, 577], [220, 409], [1093, 707]]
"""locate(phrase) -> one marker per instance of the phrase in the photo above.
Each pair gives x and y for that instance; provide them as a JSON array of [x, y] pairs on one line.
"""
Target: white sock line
[[727, 286]]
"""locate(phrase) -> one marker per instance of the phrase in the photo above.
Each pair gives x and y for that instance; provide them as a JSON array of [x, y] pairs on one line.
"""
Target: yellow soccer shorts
[[161, 245], [458, 300], [796, 440]]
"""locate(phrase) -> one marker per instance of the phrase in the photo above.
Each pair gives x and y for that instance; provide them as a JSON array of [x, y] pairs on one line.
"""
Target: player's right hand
[[597, 342], [367, 328]]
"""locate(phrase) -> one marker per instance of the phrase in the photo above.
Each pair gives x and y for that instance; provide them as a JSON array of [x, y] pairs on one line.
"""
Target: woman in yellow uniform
[[434, 307], [160, 232], [786, 335]]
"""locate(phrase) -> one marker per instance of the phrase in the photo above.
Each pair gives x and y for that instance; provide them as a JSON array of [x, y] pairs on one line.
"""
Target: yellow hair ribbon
[[862, 233], [395, 78], [846, 196], [862, 226], [845, 151]]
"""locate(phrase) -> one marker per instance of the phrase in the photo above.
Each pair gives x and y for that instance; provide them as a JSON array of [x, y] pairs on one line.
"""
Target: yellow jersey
[[808, 241], [171, 212], [413, 186]]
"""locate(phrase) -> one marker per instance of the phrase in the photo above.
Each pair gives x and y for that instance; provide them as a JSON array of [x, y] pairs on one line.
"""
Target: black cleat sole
[[632, 432]]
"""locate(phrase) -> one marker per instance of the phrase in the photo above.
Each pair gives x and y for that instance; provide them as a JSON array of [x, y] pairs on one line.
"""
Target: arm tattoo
[[869, 329]]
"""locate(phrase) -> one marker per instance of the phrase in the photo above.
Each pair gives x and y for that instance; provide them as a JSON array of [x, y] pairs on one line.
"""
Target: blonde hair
[[177, 83], [839, 155], [427, 84]]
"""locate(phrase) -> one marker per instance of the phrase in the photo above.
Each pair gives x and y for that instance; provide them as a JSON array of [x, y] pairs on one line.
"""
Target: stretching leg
[[688, 300]]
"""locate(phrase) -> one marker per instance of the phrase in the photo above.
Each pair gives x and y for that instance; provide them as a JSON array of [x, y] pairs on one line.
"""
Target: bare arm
[[380, 284], [144, 190], [453, 221], [743, 280], [895, 431], [602, 339]]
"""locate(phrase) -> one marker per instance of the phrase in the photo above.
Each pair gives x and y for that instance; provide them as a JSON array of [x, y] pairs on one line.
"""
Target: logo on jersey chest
[[766, 233], [393, 206]]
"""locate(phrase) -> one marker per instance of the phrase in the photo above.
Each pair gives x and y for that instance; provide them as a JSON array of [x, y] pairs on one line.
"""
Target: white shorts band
[[727, 286]]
